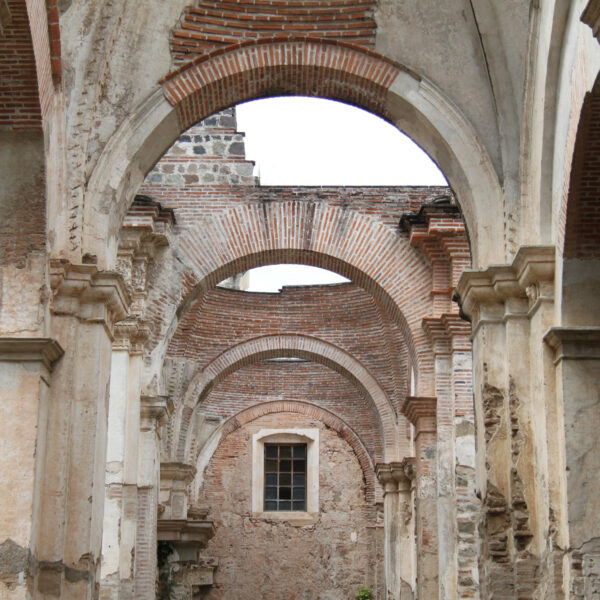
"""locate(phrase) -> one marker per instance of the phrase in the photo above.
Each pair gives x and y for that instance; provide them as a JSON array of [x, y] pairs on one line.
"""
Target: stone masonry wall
[[301, 381], [329, 559]]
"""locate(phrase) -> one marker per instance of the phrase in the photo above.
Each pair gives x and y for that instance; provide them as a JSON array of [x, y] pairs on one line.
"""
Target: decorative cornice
[[131, 334], [448, 333], [155, 410], [591, 17], [177, 471], [574, 343], [393, 477], [195, 533], [529, 278], [417, 409], [89, 294], [44, 350]]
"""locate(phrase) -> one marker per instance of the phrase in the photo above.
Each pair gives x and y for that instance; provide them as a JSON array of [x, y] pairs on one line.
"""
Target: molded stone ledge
[[87, 293], [196, 533], [576, 343], [530, 278], [131, 334], [421, 412], [394, 476], [155, 409], [44, 350], [448, 333]]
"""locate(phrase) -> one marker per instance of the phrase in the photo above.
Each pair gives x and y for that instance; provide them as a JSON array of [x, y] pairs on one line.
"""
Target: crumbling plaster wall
[[329, 558]]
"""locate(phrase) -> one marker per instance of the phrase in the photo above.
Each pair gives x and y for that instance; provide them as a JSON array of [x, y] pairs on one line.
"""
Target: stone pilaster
[[120, 510], [510, 307], [25, 368], [154, 413], [421, 412], [400, 549], [450, 339], [183, 530], [577, 359], [86, 304]]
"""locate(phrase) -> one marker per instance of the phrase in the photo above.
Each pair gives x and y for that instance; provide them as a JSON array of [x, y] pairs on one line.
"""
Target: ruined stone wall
[[19, 99], [330, 558], [344, 315], [301, 381]]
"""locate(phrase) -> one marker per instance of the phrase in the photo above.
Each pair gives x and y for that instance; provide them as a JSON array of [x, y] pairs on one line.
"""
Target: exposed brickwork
[[278, 560], [211, 24], [343, 315], [23, 215], [320, 395], [45, 31], [229, 230], [274, 346], [303, 381], [582, 237], [280, 67], [19, 100]]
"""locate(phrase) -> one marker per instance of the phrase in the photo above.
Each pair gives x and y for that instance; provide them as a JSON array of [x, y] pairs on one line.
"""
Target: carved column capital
[[43, 350], [131, 334], [392, 477], [448, 333], [154, 411], [421, 412], [87, 293], [507, 291], [575, 343]]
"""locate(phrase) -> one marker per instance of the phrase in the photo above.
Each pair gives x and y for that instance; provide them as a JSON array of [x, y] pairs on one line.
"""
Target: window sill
[[293, 518]]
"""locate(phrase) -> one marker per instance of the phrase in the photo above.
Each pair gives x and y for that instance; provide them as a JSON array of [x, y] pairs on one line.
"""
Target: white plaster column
[[25, 367], [399, 529], [120, 511], [509, 307], [457, 504], [86, 303], [154, 412], [577, 359], [421, 412]]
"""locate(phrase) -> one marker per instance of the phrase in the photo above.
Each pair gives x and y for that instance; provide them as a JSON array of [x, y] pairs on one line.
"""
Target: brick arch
[[303, 66], [372, 491], [276, 346], [358, 246], [581, 219]]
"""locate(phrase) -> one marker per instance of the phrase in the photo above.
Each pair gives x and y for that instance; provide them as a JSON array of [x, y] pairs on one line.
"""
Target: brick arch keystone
[[302, 66], [235, 422], [276, 346]]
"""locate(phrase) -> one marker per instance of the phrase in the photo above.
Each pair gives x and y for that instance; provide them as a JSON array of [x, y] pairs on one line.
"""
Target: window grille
[[285, 477]]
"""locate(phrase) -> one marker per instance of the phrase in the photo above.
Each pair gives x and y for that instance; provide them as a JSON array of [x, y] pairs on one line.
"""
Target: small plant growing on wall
[[364, 594]]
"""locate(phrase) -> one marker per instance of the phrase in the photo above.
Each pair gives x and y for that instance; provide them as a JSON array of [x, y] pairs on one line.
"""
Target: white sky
[[311, 141]]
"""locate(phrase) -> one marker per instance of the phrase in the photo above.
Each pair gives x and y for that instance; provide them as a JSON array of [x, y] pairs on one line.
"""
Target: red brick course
[[276, 67], [298, 385], [582, 237], [352, 231], [19, 99], [213, 24]]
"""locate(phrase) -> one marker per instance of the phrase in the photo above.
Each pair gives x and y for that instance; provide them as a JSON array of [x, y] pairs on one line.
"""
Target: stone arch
[[275, 346], [296, 66], [372, 491], [581, 242], [358, 246]]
